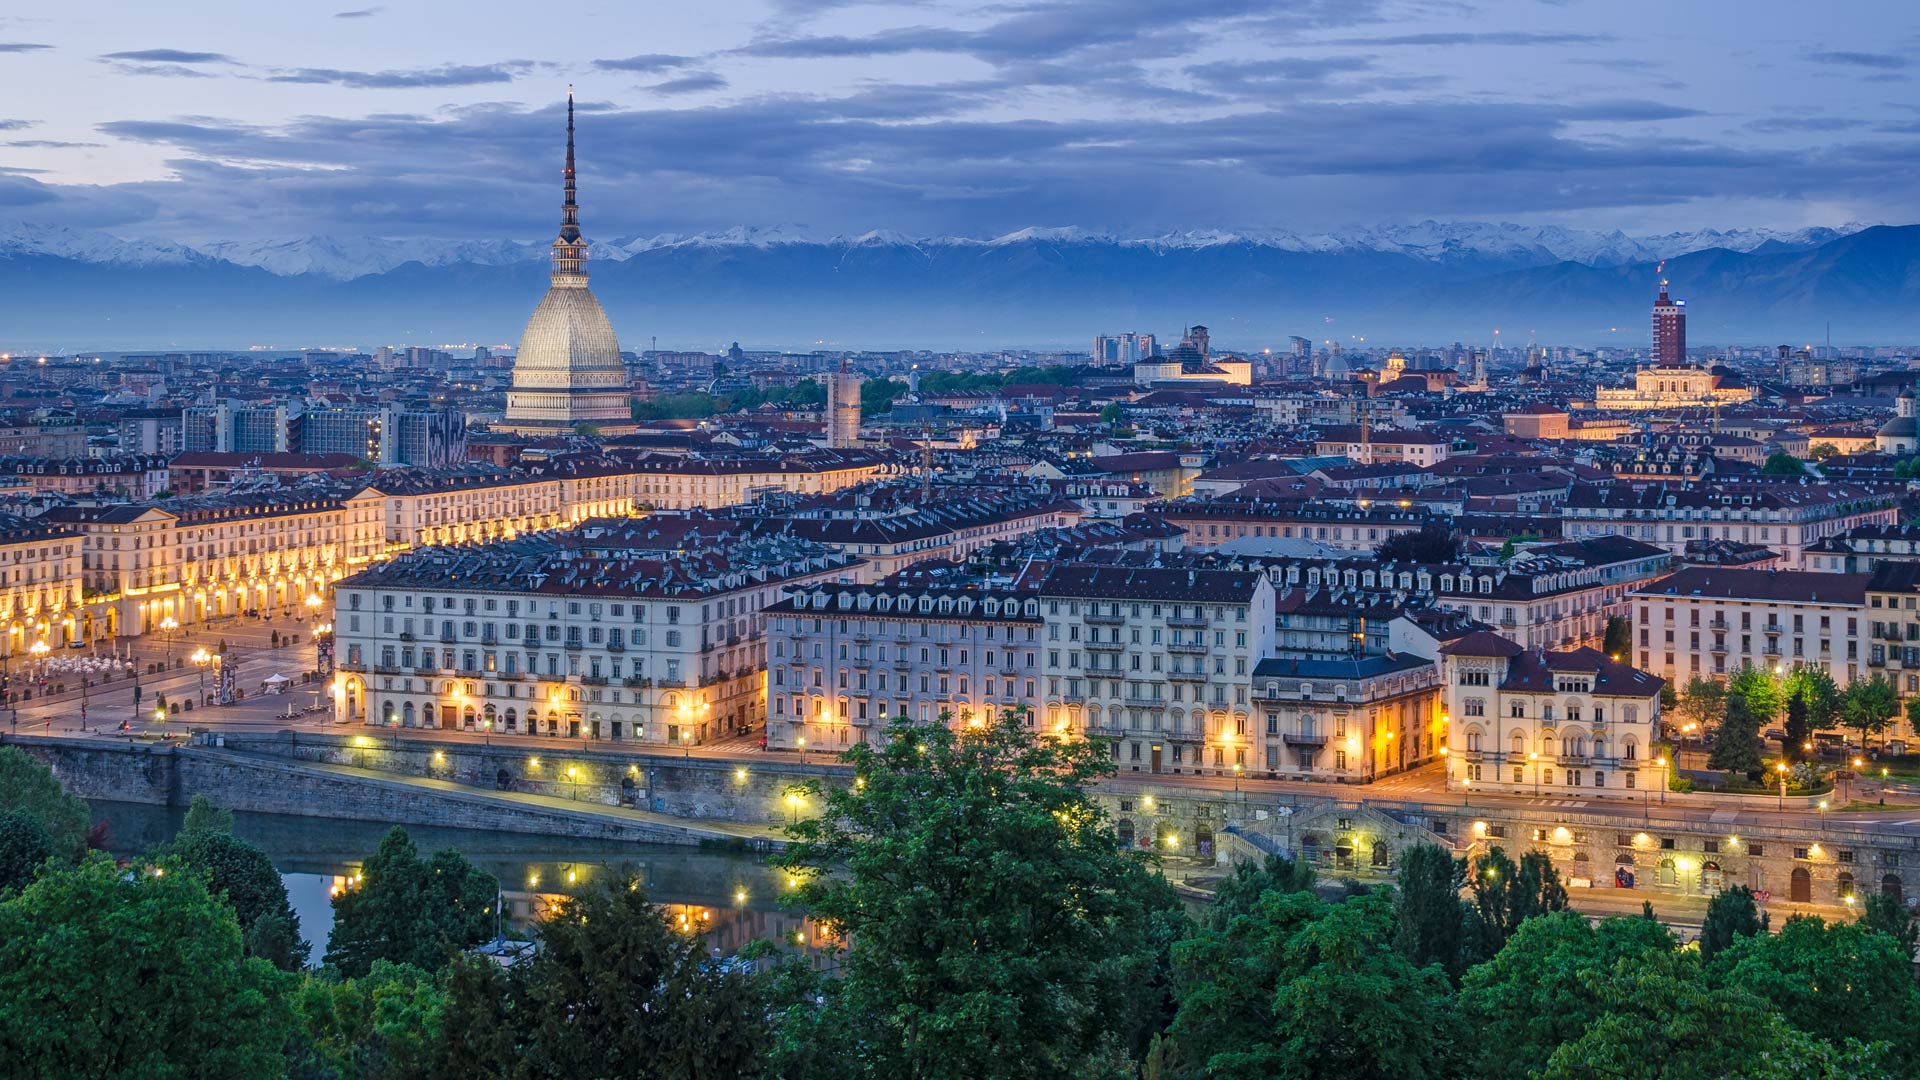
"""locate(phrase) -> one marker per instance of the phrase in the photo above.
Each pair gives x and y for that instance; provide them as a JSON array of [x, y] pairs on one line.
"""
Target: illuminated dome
[[568, 371]]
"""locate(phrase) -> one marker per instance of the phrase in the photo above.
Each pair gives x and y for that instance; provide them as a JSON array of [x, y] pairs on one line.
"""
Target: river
[[736, 896]]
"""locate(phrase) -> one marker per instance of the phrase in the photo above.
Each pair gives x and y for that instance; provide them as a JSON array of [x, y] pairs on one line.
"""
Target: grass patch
[[1856, 806]]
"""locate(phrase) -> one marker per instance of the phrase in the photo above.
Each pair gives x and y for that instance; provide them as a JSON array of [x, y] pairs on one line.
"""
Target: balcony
[[1104, 620], [1188, 624], [1574, 759], [1295, 738], [1719, 647], [635, 681], [1187, 676], [616, 647], [574, 646], [405, 636], [593, 680], [1105, 646], [1187, 648], [1773, 628]]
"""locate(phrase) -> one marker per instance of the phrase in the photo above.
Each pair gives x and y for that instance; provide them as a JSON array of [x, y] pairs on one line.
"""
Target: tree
[[1762, 689], [614, 990], [1432, 926], [1506, 895], [1815, 687], [1737, 748], [1867, 705], [1113, 414], [1781, 463], [1890, 916], [1700, 704], [132, 973], [30, 787], [243, 875], [24, 848], [1435, 542], [1237, 893], [1798, 731], [1731, 915], [203, 816], [1834, 981], [1661, 1021], [1618, 642], [1530, 997], [1000, 928], [1822, 451], [410, 911], [1298, 987], [385, 1025]]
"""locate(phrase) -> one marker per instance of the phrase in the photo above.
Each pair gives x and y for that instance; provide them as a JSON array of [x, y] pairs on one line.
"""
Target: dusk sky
[[204, 121]]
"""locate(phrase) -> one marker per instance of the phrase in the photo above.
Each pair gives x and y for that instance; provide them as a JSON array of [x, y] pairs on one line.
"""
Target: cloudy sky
[[208, 120]]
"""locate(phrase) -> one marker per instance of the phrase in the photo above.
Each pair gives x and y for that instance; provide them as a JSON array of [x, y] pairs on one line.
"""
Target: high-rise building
[[1669, 330], [843, 409], [568, 371]]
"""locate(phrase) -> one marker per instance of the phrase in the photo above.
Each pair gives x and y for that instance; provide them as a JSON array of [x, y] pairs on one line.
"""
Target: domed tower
[[568, 370], [1900, 435]]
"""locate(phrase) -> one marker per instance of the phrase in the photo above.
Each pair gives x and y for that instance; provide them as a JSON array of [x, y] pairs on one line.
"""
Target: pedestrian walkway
[[694, 829]]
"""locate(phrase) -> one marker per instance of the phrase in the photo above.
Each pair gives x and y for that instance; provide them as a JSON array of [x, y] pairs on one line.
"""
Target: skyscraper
[[1669, 330], [568, 371]]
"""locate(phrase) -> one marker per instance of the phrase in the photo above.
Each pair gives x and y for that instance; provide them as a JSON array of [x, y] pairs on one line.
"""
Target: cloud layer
[[1126, 115]]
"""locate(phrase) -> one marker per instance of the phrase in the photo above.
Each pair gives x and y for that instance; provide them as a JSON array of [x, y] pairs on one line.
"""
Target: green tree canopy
[[24, 848], [1618, 641], [613, 991], [1781, 463], [1701, 703], [1867, 705], [999, 928], [30, 787], [1531, 997], [1731, 915], [1506, 894], [411, 911], [1834, 981], [245, 877], [1433, 925], [1236, 893], [385, 1025], [133, 973], [1737, 748], [1762, 689]]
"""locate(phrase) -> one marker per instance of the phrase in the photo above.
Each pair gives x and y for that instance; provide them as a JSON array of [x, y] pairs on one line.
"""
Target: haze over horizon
[[1129, 116]]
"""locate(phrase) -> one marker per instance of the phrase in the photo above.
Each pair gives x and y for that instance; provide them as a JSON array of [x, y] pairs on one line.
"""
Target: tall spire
[[569, 251]]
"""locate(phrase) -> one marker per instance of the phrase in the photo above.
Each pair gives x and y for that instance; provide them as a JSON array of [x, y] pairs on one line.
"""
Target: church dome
[[1900, 427], [569, 334]]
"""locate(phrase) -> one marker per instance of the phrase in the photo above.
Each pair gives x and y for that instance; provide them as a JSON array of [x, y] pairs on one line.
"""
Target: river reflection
[[734, 897]]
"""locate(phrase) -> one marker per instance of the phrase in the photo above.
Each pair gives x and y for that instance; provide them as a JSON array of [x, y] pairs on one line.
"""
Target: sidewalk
[[699, 828]]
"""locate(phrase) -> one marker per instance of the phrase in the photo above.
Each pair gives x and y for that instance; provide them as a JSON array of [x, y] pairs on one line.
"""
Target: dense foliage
[[994, 928]]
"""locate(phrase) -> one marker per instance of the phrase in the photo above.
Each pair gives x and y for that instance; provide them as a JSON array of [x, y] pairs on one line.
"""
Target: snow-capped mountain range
[[347, 258]]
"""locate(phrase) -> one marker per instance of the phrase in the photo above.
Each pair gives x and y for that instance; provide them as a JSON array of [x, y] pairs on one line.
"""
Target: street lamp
[[167, 627], [201, 658], [313, 604], [1665, 781], [793, 807], [1535, 758], [1781, 768]]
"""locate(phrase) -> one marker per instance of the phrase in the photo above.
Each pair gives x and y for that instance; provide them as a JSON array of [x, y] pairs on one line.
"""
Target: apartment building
[[1789, 516], [665, 482], [1350, 720], [1159, 659], [1893, 623], [846, 659], [1212, 522], [1861, 550], [40, 586], [1571, 722], [541, 635], [1707, 622]]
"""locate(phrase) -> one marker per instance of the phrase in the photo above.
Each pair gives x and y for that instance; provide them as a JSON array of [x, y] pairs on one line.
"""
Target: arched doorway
[[1124, 830], [1843, 885], [1800, 890], [1668, 874], [1890, 886], [1623, 872], [1310, 847], [1203, 842], [1343, 854], [1382, 855], [1710, 878]]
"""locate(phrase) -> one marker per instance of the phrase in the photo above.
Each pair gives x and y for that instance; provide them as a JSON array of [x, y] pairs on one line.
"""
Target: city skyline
[[1119, 117]]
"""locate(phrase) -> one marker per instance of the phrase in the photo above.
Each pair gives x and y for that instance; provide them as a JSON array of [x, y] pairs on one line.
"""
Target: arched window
[[406, 714], [1843, 885], [1382, 854]]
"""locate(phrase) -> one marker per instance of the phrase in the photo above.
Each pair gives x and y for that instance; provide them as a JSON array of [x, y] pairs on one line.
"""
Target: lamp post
[[201, 658], [167, 626], [1665, 777], [1781, 768], [313, 605], [1535, 758]]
